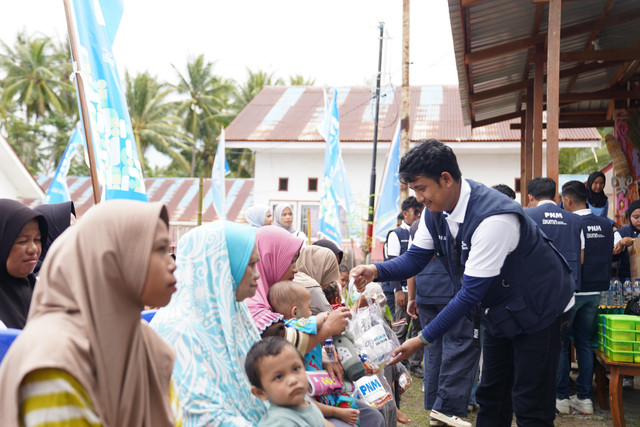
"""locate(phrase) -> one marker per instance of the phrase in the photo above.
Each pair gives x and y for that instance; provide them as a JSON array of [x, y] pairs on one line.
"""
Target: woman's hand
[[334, 369], [336, 322]]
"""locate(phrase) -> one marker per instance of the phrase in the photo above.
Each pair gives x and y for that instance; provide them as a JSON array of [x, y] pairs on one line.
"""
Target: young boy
[[276, 373], [293, 301]]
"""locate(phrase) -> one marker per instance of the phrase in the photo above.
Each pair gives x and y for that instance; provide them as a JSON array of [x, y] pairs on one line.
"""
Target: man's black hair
[[343, 268], [576, 191], [506, 190], [542, 188], [411, 203], [429, 159], [400, 217], [270, 346]]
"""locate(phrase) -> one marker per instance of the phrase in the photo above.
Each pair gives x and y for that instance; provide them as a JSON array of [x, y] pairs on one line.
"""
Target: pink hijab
[[277, 248]]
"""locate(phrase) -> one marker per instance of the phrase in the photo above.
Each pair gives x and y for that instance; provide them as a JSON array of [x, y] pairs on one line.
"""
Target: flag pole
[[372, 186], [84, 111]]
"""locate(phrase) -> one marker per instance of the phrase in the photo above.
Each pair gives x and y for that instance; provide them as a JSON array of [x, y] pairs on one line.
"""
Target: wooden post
[[406, 91], [523, 156], [538, 82], [553, 87], [200, 197], [84, 111], [528, 147]]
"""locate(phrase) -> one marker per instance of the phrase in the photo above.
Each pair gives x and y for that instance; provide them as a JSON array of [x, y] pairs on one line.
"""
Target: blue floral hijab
[[210, 331]]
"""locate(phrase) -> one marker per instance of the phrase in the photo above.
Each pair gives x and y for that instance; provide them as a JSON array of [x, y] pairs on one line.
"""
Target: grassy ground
[[412, 405]]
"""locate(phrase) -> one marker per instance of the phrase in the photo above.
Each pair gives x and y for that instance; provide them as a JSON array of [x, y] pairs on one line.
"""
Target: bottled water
[[627, 289], [330, 349], [616, 290], [636, 287], [609, 295]]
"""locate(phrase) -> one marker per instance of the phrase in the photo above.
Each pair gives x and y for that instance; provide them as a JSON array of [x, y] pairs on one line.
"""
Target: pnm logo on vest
[[553, 215], [594, 228]]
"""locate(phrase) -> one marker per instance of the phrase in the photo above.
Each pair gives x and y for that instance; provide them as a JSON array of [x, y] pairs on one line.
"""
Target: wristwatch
[[423, 339]]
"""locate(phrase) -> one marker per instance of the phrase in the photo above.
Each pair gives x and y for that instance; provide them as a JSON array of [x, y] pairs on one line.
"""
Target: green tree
[[32, 78], [205, 107], [300, 80], [584, 160], [256, 81], [154, 120]]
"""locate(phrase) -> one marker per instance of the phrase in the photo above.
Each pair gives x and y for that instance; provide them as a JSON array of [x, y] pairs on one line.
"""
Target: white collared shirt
[[495, 238], [393, 247]]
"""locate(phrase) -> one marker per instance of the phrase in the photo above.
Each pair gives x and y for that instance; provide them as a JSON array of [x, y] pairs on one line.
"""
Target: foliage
[[584, 160]]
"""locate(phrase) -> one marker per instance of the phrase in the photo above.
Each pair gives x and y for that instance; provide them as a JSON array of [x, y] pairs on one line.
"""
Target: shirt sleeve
[[616, 237], [495, 237], [393, 245], [406, 265], [423, 238]]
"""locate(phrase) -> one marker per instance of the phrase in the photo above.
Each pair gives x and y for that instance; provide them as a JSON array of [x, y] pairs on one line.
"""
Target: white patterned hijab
[[210, 331]]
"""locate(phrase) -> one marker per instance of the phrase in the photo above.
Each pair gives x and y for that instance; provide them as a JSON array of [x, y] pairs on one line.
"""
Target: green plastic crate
[[622, 356], [621, 321], [621, 345]]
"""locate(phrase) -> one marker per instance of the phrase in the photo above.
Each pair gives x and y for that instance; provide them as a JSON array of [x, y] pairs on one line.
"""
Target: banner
[[336, 188], [117, 161], [58, 191], [388, 205], [218, 172]]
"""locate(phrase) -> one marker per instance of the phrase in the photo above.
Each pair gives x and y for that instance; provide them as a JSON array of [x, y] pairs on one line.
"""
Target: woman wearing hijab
[[283, 217], [325, 243], [209, 325], [317, 267], [59, 217], [85, 357], [258, 215], [597, 201], [623, 238], [22, 233]]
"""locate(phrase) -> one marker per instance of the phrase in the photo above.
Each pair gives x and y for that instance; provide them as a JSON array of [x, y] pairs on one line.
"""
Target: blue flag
[[218, 172], [389, 195], [58, 191], [336, 187], [117, 161]]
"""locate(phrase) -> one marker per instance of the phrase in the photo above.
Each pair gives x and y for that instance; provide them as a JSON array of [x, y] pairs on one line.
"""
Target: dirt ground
[[412, 405]]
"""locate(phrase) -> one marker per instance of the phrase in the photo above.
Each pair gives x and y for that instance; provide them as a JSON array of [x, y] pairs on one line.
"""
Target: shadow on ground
[[412, 404]]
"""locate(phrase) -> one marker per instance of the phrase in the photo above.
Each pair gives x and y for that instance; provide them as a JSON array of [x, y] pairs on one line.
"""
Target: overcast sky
[[333, 41]]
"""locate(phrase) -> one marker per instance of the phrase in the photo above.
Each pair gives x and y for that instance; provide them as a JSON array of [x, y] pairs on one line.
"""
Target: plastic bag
[[633, 306], [404, 378], [374, 390], [374, 339]]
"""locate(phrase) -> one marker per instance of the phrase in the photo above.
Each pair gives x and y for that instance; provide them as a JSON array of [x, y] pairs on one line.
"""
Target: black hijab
[[15, 292], [332, 246], [58, 216], [596, 199]]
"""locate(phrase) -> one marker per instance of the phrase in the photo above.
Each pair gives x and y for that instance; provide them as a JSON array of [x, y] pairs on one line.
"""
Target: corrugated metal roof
[[280, 113], [489, 23], [179, 194]]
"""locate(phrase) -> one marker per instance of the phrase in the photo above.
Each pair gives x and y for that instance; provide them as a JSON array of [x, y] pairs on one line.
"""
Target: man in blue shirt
[[509, 269]]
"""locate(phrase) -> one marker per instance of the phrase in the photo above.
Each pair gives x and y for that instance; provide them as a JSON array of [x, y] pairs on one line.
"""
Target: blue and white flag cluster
[[58, 191], [336, 188], [218, 172], [117, 161], [389, 196]]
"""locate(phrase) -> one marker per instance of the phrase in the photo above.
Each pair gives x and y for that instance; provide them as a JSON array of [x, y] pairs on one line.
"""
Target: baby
[[293, 301], [276, 373]]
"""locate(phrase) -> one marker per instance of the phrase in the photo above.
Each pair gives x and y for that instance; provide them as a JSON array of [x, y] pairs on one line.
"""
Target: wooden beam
[[601, 55], [528, 144], [523, 84], [603, 122], [467, 3], [600, 95], [570, 31], [538, 78], [496, 119], [553, 87]]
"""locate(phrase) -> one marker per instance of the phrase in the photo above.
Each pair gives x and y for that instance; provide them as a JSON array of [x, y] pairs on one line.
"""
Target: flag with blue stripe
[[58, 191], [389, 196], [218, 172], [116, 152]]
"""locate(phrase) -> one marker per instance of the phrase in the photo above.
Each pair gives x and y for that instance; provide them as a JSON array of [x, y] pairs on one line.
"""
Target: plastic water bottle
[[627, 289], [330, 349], [636, 287], [617, 289], [609, 295]]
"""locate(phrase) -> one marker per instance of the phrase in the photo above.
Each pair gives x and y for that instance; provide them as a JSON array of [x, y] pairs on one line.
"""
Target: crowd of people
[[244, 310]]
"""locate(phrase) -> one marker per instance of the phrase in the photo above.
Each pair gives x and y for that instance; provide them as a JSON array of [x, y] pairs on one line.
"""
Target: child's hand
[[348, 415]]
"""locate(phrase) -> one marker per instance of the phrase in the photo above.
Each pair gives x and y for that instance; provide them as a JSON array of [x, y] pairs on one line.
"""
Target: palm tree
[[255, 82], [33, 70], [205, 106], [300, 80], [153, 119]]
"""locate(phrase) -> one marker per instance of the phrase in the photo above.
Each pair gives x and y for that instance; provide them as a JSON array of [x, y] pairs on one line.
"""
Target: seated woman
[[59, 217], [210, 327], [22, 233], [85, 357]]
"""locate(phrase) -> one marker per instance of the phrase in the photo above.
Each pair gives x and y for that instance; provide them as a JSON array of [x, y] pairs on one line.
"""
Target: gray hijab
[[277, 213], [256, 214]]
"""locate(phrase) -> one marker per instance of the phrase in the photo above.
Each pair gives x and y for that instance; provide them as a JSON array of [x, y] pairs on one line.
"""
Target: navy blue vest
[[624, 269], [598, 241], [403, 236], [563, 228], [534, 285], [434, 284]]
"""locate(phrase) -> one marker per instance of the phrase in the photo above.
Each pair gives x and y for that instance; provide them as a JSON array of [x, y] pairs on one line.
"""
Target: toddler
[[293, 301], [332, 292], [276, 373]]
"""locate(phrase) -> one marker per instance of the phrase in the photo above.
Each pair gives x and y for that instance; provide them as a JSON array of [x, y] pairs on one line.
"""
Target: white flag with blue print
[[389, 196], [218, 172]]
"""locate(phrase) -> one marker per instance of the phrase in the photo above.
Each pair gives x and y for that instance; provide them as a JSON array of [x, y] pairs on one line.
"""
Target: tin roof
[[288, 114], [180, 195], [494, 43]]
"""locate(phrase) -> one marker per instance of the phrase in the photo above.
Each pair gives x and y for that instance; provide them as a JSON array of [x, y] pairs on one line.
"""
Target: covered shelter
[[576, 60]]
